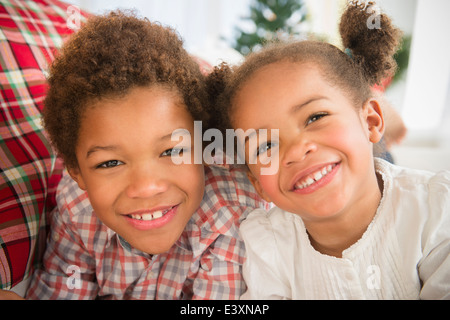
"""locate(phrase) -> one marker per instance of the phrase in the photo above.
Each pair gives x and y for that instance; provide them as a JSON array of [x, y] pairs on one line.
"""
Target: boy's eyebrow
[[297, 107], [94, 149], [99, 148]]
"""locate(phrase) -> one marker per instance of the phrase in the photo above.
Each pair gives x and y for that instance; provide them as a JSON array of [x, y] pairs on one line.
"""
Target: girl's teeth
[[314, 177], [318, 175]]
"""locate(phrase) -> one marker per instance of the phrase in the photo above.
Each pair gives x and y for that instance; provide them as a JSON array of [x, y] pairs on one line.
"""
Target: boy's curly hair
[[110, 55], [369, 61]]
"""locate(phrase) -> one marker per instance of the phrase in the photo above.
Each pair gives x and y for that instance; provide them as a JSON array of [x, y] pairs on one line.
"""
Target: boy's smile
[[324, 148], [151, 218], [124, 154]]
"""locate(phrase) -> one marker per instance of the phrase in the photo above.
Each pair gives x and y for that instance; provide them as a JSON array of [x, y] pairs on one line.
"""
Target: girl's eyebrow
[[176, 133], [297, 107], [100, 148], [248, 136]]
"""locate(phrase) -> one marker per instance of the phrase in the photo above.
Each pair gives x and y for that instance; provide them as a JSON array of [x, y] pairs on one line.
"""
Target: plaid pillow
[[30, 32]]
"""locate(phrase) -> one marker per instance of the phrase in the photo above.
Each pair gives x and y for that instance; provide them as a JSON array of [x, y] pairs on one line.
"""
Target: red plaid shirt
[[85, 259], [30, 32]]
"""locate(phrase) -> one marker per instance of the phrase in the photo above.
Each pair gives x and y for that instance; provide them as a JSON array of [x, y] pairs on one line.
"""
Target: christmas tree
[[271, 19]]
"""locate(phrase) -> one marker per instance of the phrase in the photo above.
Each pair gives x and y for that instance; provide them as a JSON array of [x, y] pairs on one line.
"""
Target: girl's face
[[124, 155], [324, 146]]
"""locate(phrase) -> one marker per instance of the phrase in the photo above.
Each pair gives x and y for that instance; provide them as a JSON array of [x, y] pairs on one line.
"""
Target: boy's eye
[[172, 152], [315, 117], [109, 164]]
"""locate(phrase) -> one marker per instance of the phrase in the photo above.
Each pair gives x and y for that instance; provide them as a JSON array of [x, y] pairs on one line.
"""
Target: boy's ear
[[258, 187], [76, 175], [374, 119]]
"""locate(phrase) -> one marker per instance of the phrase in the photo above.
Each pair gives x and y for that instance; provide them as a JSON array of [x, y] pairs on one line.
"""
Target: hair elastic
[[349, 52]]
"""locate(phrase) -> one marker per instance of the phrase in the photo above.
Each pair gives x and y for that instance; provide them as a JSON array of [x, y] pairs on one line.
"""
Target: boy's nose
[[297, 151], [146, 184]]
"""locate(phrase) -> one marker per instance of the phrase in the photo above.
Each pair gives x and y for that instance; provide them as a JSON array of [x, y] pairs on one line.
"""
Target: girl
[[345, 225]]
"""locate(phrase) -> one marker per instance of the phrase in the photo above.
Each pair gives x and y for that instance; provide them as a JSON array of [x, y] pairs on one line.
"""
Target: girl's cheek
[[269, 185]]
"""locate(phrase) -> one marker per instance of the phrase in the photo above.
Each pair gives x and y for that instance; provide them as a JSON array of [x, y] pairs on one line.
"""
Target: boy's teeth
[[157, 214], [149, 216]]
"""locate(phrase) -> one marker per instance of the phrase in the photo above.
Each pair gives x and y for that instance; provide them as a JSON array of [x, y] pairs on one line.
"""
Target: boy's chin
[[155, 245], [154, 249]]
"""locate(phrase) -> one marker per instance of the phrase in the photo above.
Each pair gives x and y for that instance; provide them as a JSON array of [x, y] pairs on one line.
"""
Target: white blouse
[[403, 254]]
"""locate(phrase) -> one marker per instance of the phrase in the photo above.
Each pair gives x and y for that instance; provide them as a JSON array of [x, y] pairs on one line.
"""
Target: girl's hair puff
[[370, 62], [371, 38], [108, 57]]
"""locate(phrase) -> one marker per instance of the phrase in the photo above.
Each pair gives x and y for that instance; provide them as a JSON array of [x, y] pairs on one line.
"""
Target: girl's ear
[[373, 116], [258, 187], [76, 175]]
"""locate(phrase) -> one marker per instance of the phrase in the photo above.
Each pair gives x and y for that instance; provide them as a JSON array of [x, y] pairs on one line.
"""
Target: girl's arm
[[434, 267], [261, 268]]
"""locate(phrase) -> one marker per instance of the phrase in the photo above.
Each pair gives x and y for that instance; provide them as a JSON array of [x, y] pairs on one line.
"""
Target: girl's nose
[[297, 151], [146, 184]]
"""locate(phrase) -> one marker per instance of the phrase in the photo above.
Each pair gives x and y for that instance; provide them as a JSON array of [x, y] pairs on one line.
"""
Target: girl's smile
[[314, 178]]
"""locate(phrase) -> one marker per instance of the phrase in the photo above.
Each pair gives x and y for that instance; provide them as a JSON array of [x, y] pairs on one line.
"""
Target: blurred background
[[227, 30]]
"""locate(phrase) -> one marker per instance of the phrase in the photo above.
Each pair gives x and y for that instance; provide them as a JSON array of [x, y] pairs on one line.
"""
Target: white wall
[[429, 70], [426, 108], [204, 25]]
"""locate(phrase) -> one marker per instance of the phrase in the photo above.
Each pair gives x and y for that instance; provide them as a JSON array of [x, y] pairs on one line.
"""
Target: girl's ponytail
[[370, 39]]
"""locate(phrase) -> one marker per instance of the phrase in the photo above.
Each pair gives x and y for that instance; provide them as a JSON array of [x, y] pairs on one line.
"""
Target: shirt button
[[56, 237], [150, 275], [349, 276]]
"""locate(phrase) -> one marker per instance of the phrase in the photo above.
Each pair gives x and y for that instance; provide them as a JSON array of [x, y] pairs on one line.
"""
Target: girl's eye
[[315, 117], [109, 164], [172, 152], [263, 148]]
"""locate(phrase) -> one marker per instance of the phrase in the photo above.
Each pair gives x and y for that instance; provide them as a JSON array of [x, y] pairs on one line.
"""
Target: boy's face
[[124, 155], [324, 147]]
